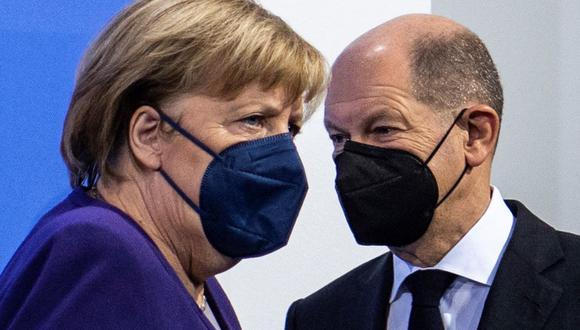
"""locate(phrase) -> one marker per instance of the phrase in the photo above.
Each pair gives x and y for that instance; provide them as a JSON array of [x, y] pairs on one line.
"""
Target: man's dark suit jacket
[[537, 286]]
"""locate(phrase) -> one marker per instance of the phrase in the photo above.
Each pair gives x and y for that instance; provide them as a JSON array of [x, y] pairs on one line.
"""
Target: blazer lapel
[[520, 297], [221, 307], [371, 306]]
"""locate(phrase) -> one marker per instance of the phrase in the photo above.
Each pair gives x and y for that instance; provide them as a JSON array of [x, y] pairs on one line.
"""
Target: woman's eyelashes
[[257, 123], [254, 121]]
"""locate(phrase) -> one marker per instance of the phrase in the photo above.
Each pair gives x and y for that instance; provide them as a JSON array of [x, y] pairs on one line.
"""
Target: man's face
[[370, 101]]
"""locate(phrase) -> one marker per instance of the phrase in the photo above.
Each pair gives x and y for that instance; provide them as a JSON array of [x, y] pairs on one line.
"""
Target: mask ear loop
[[437, 148], [195, 141], [186, 134], [181, 193], [454, 185], [444, 136]]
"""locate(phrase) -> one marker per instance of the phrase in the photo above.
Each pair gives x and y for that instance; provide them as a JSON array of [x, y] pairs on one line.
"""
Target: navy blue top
[[88, 265]]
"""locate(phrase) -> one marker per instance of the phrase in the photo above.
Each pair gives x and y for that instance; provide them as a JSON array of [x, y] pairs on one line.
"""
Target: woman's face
[[218, 124]]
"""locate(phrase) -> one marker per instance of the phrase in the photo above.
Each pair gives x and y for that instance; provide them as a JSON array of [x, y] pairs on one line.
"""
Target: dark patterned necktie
[[427, 288]]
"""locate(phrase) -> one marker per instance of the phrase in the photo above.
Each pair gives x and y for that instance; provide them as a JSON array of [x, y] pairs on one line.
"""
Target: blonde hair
[[158, 49]]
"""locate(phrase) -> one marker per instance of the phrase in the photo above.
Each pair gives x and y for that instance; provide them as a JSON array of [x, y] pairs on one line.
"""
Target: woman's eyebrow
[[263, 108]]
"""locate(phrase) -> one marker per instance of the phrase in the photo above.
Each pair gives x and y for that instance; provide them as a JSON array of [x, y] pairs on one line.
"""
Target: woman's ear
[[144, 138], [482, 123]]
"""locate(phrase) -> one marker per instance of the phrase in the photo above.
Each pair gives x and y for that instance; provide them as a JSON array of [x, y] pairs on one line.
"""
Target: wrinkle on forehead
[[369, 93], [366, 75]]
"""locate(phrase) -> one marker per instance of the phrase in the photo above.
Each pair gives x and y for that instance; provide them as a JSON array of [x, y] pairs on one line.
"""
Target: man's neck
[[450, 224]]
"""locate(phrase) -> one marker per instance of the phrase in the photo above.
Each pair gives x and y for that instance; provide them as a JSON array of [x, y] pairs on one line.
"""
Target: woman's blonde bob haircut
[[155, 50]]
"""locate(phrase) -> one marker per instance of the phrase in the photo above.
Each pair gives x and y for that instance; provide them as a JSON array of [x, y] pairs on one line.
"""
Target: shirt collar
[[476, 256]]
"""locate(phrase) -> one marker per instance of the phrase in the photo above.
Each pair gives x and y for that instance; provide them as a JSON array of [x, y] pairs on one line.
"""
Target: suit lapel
[[370, 306], [221, 307], [520, 296]]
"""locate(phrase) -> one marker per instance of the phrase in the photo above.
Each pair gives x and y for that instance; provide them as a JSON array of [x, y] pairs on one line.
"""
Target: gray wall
[[536, 46]]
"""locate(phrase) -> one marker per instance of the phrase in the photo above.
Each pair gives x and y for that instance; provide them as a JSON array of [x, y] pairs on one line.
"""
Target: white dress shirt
[[474, 259]]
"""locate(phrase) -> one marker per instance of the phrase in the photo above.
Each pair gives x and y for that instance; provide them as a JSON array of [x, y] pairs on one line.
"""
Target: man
[[414, 111]]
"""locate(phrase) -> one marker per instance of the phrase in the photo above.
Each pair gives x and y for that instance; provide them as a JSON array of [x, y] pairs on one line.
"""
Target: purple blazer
[[87, 265]]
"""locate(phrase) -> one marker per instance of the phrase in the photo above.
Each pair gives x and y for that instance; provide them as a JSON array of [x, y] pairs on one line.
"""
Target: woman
[[178, 142]]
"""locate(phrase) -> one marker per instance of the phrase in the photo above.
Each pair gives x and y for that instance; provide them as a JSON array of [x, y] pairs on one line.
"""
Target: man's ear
[[144, 138], [482, 123]]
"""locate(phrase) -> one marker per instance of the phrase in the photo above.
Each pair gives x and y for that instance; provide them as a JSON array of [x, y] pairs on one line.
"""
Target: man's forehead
[[384, 53], [361, 76], [404, 29]]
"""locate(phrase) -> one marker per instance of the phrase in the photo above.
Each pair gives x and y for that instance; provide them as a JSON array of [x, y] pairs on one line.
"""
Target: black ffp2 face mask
[[388, 196]]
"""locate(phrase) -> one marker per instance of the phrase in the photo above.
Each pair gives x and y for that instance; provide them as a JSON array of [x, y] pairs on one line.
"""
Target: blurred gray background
[[536, 46]]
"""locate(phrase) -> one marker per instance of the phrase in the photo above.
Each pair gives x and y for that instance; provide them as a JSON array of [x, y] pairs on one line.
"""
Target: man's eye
[[382, 130], [254, 121], [338, 138]]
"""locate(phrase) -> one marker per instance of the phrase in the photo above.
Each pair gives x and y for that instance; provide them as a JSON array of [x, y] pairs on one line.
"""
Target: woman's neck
[[131, 199]]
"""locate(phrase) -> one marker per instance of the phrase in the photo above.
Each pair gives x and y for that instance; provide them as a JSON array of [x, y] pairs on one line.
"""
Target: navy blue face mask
[[250, 195]]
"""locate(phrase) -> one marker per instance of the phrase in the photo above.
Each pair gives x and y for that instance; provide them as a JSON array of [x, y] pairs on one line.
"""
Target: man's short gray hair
[[449, 70]]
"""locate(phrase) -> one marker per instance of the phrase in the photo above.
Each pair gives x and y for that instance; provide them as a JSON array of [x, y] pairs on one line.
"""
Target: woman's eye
[[254, 121]]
